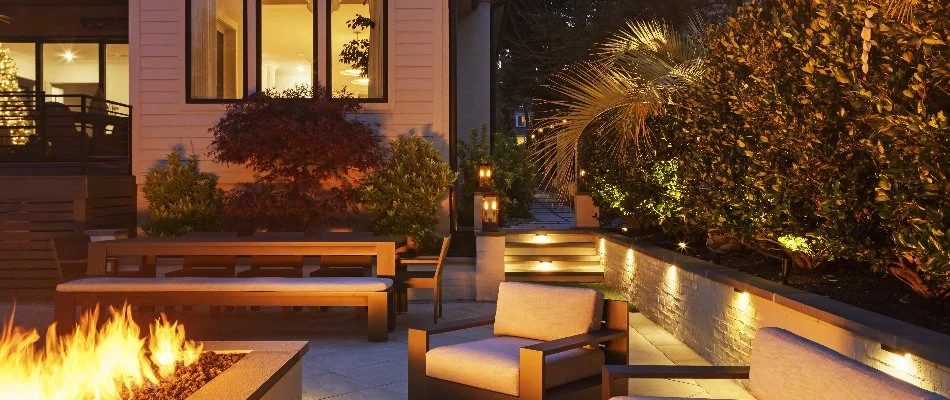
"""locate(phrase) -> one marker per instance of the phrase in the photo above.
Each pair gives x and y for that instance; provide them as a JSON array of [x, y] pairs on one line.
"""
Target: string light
[[13, 113]]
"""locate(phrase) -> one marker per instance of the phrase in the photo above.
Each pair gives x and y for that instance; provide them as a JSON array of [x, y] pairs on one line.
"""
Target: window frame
[[329, 59], [243, 61]]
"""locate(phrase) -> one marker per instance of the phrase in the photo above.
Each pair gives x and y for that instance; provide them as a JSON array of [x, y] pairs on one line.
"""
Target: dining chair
[[285, 266], [426, 279], [207, 266]]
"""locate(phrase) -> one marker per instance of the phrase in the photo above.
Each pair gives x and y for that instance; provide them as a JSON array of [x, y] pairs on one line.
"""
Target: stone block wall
[[716, 312]]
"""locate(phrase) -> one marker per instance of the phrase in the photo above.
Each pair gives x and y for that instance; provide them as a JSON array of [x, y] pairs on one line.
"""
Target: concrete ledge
[[902, 336]]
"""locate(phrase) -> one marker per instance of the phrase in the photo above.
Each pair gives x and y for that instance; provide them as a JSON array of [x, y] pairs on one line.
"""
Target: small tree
[[403, 196], [14, 115], [181, 199], [309, 153]]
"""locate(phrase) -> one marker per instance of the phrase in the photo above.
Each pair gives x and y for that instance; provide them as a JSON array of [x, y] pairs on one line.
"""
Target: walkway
[[342, 365], [549, 213]]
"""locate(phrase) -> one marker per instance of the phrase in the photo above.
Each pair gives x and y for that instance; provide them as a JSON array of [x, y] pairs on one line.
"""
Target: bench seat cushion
[[494, 364], [788, 367], [200, 284]]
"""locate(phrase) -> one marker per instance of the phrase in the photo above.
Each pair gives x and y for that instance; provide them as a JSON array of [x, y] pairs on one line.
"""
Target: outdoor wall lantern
[[490, 212], [582, 181], [484, 177]]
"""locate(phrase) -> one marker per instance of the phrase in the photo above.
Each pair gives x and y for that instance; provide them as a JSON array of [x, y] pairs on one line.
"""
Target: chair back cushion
[[545, 313], [786, 366]]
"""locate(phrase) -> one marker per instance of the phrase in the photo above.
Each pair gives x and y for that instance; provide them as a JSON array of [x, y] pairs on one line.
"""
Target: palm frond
[[903, 10], [4, 18], [636, 74]]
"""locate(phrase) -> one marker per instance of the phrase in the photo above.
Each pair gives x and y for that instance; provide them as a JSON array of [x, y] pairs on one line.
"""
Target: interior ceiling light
[[361, 81], [69, 56], [351, 72]]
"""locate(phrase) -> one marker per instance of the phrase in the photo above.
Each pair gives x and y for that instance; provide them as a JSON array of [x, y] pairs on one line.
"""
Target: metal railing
[[83, 132]]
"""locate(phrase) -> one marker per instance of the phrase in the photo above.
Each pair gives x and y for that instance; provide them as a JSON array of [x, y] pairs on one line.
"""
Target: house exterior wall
[[418, 83]]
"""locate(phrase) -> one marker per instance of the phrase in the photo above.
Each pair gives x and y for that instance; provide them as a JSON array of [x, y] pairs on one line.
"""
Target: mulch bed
[[846, 281], [187, 380]]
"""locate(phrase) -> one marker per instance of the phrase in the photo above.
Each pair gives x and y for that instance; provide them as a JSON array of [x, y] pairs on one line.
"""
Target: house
[[178, 63], [107, 88]]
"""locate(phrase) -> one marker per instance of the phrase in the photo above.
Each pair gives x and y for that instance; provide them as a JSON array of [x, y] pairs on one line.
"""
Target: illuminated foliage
[[403, 195]]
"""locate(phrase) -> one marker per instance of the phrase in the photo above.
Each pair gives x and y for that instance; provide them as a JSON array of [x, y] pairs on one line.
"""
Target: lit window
[[520, 120], [215, 49], [286, 53], [356, 38], [70, 69]]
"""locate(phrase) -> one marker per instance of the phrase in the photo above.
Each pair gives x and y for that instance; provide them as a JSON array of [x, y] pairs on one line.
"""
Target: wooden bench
[[376, 294]]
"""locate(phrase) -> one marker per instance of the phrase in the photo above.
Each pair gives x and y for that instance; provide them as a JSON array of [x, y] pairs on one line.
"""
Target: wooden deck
[[34, 209]]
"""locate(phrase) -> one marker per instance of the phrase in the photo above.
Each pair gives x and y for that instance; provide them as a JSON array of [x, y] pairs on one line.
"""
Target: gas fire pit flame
[[91, 363]]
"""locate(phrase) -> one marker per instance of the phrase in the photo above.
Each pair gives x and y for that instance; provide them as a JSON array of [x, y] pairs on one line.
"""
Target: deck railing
[[77, 133]]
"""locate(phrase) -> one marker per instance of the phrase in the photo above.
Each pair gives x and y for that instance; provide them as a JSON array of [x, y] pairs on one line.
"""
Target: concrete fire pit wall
[[716, 311]]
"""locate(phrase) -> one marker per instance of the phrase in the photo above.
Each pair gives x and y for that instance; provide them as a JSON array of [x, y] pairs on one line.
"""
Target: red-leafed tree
[[308, 152]]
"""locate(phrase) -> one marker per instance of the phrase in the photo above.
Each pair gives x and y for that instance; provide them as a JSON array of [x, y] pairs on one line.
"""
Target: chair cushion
[[788, 367], [543, 312], [226, 285], [493, 364]]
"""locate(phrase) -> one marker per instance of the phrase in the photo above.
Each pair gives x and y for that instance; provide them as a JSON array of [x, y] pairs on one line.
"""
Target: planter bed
[[846, 281]]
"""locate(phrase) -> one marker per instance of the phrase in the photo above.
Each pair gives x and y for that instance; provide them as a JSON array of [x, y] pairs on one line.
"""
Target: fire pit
[[114, 362]]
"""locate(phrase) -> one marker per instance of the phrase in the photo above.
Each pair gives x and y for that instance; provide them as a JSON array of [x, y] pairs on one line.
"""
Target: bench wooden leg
[[65, 312], [391, 306], [378, 316]]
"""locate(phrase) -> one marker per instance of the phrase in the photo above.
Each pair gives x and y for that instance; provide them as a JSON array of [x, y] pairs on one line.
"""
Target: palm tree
[[634, 74]]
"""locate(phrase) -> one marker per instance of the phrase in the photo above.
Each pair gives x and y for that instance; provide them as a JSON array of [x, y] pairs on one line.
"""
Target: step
[[549, 236], [554, 276], [594, 259], [544, 262], [550, 249]]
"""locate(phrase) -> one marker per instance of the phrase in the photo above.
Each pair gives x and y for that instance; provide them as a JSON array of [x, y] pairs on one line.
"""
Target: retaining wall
[[716, 311]]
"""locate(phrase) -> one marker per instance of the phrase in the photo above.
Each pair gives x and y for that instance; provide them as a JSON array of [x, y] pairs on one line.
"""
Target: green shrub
[[181, 199], [643, 191], [404, 195], [513, 175], [907, 85], [775, 146]]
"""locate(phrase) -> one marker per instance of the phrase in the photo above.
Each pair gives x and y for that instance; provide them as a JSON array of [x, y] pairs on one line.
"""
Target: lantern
[[484, 177], [582, 181], [490, 204]]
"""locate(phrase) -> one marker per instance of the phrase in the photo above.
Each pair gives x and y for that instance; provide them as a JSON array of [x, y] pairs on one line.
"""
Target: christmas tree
[[15, 123]]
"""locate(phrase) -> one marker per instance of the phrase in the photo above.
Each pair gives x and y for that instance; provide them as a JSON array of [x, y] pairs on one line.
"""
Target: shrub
[[513, 175], [644, 190], [308, 151], [404, 195], [775, 145], [181, 199], [907, 85]]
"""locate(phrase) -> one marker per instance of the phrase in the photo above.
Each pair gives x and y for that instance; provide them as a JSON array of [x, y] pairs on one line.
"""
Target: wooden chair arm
[[419, 261], [614, 372], [456, 325], [576, 341]]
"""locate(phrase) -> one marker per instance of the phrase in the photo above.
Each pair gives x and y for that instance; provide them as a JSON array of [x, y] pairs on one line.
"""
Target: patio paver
[[341, 365]]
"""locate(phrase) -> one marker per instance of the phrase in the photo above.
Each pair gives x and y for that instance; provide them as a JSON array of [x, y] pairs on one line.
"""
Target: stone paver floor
[[342, 365]]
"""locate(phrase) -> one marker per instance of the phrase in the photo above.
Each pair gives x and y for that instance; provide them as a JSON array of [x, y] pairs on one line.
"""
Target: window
[[520, 120], [357, 43], [117, 73], [71, 68], [286, 44], [216, 61]]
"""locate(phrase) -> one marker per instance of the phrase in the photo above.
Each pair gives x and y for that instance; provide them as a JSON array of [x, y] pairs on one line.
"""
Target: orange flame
[[90, 363]]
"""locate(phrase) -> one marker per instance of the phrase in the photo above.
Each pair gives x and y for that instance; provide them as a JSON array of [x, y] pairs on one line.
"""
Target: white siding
[[163, 121]]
